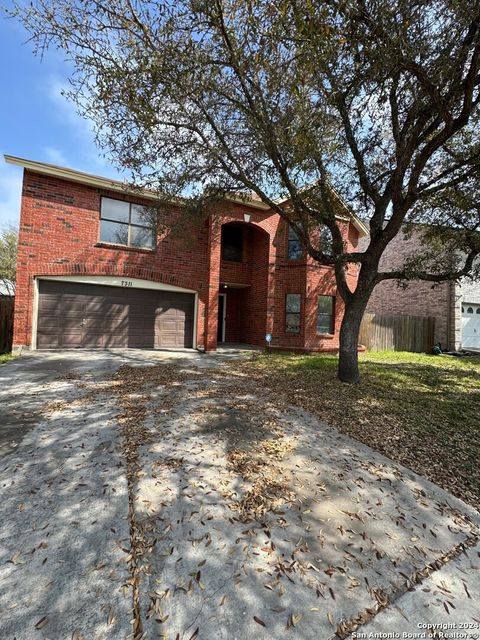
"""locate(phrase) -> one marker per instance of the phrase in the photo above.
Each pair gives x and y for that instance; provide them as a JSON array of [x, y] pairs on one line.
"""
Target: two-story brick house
[[455, 306], [94, 271]]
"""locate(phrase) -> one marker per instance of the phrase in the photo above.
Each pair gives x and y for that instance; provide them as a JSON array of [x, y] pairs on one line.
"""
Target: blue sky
[[36, 122]]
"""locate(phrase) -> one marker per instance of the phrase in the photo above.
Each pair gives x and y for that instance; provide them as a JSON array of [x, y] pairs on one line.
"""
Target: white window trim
[[129, 224], [110, 281]]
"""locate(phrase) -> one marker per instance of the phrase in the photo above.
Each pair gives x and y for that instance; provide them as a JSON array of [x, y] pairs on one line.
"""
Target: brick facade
[[59, 236]]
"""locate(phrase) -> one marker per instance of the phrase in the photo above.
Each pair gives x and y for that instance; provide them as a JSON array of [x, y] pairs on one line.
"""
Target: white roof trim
[[256, 204], [72, 175]]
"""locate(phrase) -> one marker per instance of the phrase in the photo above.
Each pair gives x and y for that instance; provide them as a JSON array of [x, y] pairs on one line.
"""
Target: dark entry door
[[221, 318], [74, 315]]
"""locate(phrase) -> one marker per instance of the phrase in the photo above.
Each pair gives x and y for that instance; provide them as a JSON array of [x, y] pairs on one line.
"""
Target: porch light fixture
[[246, 217]]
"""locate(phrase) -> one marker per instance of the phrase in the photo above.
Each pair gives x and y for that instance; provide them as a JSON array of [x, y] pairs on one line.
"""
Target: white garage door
[[470, 326]]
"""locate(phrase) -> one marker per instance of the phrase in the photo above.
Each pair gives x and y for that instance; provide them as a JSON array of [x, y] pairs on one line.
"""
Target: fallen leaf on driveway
[[41, 623], [16, 558], [162, 619], [293, 620], [111, 616]]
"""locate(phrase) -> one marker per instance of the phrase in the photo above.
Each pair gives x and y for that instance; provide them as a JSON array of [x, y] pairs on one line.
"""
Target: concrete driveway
[[162, 495]]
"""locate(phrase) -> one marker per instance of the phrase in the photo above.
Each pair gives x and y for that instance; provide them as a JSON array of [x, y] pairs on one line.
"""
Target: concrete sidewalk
[[448, 601]]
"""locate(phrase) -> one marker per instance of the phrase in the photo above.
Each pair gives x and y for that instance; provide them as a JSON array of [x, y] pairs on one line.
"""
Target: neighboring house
[[7, 289], [455, 306], [93, 271], [7, 302]]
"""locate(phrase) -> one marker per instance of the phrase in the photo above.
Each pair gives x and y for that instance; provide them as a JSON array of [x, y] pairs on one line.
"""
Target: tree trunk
[[349, 332]]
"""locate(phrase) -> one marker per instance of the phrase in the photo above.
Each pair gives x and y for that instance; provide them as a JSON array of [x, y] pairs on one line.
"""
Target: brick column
[[22, 325], [211, 306], [270, 287]]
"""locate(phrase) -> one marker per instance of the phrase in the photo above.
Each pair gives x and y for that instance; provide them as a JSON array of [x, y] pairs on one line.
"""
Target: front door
[[222, 308]]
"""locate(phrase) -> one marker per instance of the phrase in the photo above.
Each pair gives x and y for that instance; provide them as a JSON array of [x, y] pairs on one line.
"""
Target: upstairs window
[[232, 243], [295, 248], [326, 314], [127, 224], [293, 303], [325, 239]]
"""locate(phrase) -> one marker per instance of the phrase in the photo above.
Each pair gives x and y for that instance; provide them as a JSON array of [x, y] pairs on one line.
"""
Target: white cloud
[[66, 110], [10, 194], [54, 156]]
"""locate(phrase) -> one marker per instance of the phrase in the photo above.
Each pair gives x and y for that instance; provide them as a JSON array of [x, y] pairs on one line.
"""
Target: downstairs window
[[326, 314], [293, 303]]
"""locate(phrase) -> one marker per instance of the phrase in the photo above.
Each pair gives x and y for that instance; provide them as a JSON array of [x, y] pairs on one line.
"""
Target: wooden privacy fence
[[6, 323], [397, 333]]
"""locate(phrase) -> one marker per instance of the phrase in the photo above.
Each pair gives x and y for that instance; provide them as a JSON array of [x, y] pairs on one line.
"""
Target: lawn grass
[[420, 410], [5, 357]]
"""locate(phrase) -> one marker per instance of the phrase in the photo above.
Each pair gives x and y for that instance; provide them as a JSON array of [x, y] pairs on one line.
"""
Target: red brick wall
[[254, 312], [309, 279], [59, 233]]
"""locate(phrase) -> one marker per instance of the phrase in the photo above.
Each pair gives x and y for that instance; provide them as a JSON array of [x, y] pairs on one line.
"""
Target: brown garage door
[[72, 315]]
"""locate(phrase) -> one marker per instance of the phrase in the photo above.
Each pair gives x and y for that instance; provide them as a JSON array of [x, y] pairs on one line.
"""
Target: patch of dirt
[[266, 495], [167, 463], [427, 424], [276, 449], [68, 376], [55, 406], [266, 486], [242, 464]]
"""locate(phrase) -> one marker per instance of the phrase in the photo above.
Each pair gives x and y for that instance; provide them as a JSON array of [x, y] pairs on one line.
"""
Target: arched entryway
[[243, 291]]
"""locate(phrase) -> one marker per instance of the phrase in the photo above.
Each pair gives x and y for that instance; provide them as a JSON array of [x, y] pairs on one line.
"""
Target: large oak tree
[[373, 101]]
